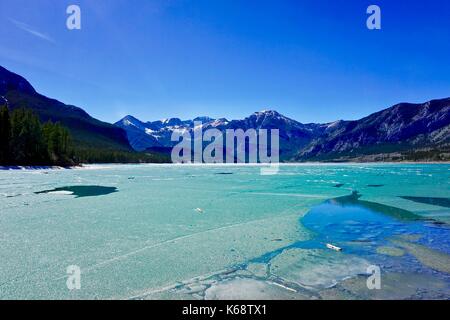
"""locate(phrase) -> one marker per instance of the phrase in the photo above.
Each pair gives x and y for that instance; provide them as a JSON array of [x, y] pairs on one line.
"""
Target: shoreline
[[24, 168], [282, 164]]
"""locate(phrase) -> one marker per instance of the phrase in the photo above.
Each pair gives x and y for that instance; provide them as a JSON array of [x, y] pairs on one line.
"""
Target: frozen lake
[[226, 232]]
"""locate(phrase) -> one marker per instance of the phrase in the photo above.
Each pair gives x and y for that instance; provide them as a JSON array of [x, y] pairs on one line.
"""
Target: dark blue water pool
[[361, 227]]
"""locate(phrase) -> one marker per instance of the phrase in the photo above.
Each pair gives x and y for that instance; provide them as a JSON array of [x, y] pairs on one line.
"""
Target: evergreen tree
[[27, 142], [57, 141], [5, 135]]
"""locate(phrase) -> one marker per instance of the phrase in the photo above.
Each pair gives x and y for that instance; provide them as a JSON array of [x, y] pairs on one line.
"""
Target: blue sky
[[314, 61]]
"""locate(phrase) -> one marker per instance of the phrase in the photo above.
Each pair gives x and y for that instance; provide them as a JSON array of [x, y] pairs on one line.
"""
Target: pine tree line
[[24, 140], [90, 155]]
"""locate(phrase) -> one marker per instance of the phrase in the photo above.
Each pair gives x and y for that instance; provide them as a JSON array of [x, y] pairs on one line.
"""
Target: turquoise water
[[219, 232]]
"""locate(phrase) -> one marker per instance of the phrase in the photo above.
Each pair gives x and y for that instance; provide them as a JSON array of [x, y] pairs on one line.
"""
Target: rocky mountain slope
[[404, 127], [157, 134], [403, 132], [17, 92]]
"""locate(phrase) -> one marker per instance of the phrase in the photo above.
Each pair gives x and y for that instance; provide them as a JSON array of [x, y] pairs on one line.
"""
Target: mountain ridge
[[16, 92], [404, 127], [402, 132]]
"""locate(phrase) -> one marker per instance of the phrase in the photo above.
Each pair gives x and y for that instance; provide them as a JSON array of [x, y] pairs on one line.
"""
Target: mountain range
[[405, 131]]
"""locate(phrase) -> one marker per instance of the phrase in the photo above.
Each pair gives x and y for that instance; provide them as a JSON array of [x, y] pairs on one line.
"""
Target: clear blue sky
[[312, 60]]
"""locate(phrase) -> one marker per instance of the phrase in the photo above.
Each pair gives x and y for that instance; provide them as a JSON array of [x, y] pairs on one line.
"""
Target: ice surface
[[250, 289], [146, 238], [316, 268]]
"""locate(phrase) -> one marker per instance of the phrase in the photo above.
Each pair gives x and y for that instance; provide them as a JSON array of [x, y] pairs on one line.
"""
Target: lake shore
[[8, 168], [108, 165]]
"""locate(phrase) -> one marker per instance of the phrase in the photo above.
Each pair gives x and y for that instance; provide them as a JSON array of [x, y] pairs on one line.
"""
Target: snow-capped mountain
[[404, 131], [154, 134], [157, 134]]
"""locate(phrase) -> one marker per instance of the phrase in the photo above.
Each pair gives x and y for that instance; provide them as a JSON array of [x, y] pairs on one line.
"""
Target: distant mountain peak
[[272, 111], [129, 118], [203, 119], [267, 112], [158, 133], [411, 125]]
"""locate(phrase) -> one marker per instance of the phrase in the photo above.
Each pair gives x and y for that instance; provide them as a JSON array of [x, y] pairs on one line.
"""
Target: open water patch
[[81, 191]]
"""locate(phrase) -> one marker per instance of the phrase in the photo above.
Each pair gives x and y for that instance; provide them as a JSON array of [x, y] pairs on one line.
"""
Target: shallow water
[[195, 232]]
